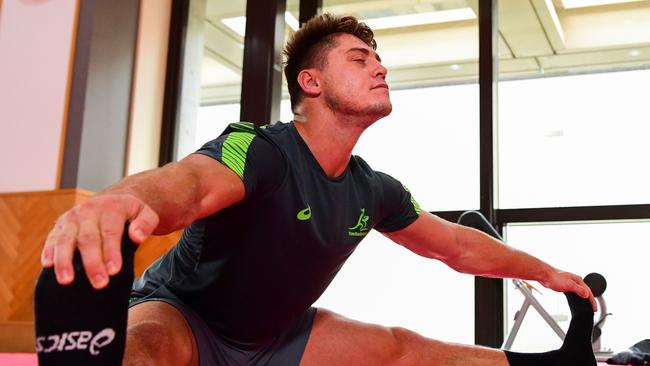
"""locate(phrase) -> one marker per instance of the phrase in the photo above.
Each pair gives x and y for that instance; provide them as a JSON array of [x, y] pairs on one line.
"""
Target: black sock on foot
[[576, 349], [78, 325]]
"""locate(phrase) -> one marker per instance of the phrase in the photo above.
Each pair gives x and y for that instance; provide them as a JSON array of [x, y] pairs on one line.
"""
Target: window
[[573, 121], [574, 141], [383, 283], [617, 250]]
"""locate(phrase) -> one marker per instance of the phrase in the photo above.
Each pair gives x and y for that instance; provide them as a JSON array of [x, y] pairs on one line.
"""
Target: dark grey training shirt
[[251, 268]]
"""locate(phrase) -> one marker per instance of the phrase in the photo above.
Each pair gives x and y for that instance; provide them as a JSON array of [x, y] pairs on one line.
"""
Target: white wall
[[36, 46]]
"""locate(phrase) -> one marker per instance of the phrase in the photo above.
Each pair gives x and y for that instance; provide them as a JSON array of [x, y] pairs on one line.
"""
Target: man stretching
[[270, 216]]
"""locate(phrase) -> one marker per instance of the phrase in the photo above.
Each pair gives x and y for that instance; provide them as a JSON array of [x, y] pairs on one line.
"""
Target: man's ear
[[309, 83]]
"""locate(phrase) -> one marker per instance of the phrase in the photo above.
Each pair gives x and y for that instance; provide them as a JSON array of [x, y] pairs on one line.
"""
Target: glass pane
[[573, 116], [435, 154], [617, 250], [223, 52], [212, 120], [384, 283], [430, 143], [212, 61]]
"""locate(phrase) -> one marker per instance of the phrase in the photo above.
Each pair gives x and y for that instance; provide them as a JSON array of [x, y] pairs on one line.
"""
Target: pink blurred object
[[18, 359]]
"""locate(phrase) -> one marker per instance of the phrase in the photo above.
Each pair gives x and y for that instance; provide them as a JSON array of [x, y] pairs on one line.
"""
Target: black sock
[[79, 325], [576, 349]]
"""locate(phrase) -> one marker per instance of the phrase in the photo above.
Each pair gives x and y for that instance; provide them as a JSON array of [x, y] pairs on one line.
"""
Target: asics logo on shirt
[[76, 340], [361, 227], [304, 214]]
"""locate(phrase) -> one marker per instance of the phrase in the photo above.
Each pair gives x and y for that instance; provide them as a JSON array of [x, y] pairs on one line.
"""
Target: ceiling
[[536, 37]]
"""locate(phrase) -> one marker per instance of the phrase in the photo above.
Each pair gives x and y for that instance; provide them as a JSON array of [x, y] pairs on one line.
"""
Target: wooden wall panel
[[25, 220], [153, 248]]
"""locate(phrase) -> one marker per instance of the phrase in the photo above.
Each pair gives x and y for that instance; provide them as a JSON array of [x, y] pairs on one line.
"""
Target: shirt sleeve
[[399, 208], [258, 162]]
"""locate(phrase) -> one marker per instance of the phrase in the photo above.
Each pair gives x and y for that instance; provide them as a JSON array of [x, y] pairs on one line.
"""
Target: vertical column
[[72, 139], [489, 323], [98, 114], [173, 78], [262, 71], [309, 9]]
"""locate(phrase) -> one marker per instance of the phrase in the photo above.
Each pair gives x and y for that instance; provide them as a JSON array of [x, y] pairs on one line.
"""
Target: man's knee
[[150, 335], [150, 342], [406, 348], [158, 334]]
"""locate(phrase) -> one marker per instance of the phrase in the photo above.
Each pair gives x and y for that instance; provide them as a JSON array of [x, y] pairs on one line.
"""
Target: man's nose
[[381, 71]]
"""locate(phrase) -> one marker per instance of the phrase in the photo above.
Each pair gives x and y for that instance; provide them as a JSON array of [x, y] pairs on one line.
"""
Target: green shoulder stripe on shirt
[[234, 150], [415, 204], [242, 127]]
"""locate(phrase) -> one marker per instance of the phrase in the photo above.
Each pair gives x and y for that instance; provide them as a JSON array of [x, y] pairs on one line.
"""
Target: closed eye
[[362, 53]]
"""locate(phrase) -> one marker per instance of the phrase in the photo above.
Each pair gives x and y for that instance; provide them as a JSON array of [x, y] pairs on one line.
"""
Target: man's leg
[[158, 334], [336, 340]]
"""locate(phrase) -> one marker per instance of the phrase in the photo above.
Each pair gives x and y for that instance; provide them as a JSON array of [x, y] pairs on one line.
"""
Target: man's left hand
[[561, 281]]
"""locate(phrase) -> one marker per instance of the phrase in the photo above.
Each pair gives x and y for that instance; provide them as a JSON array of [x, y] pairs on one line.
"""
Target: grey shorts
[[284, 350]]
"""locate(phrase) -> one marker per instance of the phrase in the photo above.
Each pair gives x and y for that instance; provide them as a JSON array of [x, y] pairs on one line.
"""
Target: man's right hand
[[95, 227]]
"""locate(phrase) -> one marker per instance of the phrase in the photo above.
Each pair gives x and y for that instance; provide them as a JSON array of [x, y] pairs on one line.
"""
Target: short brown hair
[[310, 44]]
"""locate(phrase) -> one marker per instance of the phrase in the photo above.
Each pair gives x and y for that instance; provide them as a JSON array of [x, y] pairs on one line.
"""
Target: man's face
[[354, 80]]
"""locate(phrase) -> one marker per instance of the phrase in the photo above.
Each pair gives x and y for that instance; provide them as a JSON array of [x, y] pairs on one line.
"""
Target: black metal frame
[[488, 292], [309, 9], [171, 113], [586, 213], [489, 296], [261, 89]]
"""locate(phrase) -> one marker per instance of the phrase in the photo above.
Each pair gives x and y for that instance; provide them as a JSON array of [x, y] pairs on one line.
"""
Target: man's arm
[[157, 201], [471, 251]]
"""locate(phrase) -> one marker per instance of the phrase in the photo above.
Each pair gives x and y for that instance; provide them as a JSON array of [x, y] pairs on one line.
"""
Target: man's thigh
[[159, 334], [336, 340]]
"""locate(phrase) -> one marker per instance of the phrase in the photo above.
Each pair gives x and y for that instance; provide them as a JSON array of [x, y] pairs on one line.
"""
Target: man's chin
[[378, 114], [383, 110], [388, 110], [380, 109]]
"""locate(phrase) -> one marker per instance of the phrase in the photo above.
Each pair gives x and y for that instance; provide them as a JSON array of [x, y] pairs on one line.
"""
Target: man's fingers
[[111, 228], [590, 296], [592, 300], [95, 228], [585, 292], [143, 224], [47, 254], [63, 246], [89, 242], [582, 290], [594, 305]]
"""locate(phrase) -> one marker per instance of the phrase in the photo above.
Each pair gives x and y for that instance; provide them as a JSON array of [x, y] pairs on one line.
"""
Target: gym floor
[[29, 359], [18, 359]]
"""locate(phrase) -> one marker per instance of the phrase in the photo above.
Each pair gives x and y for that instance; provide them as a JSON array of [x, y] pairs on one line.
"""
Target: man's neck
[[330, 140]]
